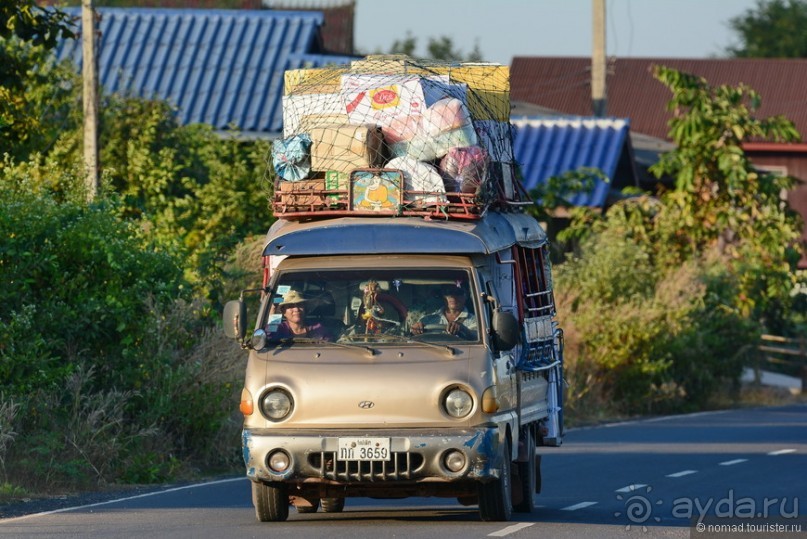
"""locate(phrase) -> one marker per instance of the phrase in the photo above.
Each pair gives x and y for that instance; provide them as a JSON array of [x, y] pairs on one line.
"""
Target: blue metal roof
[[220, 67], [546, 147]]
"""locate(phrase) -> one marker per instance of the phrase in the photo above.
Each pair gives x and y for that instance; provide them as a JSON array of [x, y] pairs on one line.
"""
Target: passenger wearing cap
[[454, 316], [293, 308]]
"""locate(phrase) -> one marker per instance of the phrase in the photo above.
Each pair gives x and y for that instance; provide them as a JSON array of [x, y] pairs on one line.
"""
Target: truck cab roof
[[492, 233]]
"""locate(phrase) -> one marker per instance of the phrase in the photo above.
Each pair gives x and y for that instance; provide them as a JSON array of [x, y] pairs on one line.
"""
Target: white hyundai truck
[[405, 342]]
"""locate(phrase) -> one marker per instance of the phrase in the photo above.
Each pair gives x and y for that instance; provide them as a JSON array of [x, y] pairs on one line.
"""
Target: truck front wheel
[[495, 497], [271, 501]]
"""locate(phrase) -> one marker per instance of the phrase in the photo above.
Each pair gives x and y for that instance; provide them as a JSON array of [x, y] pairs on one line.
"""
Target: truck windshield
[[373, 305]]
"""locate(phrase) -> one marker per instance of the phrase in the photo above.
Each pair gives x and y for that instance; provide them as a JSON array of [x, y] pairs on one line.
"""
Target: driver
[[453, 315]]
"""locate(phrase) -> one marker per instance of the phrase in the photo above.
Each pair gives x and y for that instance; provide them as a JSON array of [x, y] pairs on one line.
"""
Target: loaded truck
[[405, 341]]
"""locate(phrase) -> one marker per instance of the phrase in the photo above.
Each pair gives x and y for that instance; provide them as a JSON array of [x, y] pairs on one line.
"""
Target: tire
[[308, 508], [495, 497], [271, 502], [538, 474], [526, 475], [333, 505]]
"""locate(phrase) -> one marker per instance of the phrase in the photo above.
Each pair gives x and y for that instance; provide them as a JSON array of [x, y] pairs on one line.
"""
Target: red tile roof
[[563, 84]]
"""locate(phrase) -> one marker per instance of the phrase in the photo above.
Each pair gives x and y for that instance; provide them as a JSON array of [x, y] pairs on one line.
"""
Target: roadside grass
[[749, 395]]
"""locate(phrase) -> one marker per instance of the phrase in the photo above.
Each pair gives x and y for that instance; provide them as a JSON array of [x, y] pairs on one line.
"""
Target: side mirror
[[506, 333], [234, 319]]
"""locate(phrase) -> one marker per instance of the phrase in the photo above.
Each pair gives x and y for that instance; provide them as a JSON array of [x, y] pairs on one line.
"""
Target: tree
[[441, 48], [667, 294], [775, 29], [27, 31], [721, 201]]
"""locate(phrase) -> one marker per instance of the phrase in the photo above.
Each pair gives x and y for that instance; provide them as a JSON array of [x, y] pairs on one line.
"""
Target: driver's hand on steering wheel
[[454, 328], [417, 328]]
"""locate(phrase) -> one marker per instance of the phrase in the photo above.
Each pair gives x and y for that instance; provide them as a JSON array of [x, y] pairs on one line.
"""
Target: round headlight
[[458, 403], [276, 404]]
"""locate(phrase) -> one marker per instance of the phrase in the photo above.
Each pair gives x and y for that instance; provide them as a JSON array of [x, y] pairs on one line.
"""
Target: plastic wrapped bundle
[[422, 178], [467, 167], [291, 157]]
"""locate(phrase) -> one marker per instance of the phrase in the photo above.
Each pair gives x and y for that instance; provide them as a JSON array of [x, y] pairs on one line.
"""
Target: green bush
[[102, 352], [642, 338]]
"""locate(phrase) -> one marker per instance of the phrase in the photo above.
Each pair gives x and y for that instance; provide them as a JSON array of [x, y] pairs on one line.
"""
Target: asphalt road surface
[[716, 474]]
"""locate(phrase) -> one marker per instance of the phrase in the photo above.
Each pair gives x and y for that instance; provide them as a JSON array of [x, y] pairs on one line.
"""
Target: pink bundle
[[467, 166]]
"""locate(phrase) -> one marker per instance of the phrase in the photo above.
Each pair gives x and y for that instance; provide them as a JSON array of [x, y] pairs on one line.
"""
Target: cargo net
[[388, 136]]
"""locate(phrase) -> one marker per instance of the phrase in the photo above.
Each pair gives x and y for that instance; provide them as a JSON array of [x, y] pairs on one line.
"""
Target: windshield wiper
[[412, 339], [372, 351], [306, 340]]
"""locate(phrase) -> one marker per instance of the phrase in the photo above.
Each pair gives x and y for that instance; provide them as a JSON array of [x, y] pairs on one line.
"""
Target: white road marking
[[146, 495], [733, 462], [577, 506], [683, 473], [648, 420], [631, 488], [781, 452], [511, 529]]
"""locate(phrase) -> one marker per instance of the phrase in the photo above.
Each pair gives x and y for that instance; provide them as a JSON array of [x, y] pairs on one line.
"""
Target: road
[[635, 479]]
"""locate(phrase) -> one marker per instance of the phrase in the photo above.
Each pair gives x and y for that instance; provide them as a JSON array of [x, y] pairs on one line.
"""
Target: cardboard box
[[488, 89], [335, 180], [302, 194], [299, 111], [346, 147], [312, 80], [488, 94], [392, 101]]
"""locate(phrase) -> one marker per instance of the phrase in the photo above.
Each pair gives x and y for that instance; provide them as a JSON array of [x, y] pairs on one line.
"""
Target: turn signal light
[[247, 406], [490, 400]]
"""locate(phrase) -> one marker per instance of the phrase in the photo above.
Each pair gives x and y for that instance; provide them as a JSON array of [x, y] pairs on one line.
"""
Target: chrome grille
[[401, 465]]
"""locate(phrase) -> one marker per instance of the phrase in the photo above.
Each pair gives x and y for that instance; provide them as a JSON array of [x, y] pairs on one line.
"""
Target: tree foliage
[[196, 192], [721, 201], [104, 355], [774, 29], [666, 296], [441, 48], [27, 33]]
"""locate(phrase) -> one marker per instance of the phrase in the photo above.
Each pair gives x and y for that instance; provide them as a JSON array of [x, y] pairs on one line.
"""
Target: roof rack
[[387, 136]]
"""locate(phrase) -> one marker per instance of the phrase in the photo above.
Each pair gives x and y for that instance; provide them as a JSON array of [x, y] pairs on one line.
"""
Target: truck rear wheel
[[271, 502], [495, 497], [527, 475]]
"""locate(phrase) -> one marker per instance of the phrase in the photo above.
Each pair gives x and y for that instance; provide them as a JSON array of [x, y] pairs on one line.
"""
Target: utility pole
[[90, 97], [598, 91]]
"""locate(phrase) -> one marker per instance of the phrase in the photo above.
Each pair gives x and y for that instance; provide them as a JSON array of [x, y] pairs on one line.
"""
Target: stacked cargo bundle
[[387, 136]]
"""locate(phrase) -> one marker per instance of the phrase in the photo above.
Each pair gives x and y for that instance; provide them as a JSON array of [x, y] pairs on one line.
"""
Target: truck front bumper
[[416, 456]]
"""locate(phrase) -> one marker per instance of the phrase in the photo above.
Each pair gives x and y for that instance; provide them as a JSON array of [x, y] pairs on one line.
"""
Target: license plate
[[364, 449]]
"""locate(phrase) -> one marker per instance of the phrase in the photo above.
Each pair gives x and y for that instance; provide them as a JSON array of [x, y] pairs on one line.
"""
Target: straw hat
[[292, 296]]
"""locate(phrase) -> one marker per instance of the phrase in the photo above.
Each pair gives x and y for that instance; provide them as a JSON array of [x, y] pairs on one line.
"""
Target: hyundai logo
[[366, 404]]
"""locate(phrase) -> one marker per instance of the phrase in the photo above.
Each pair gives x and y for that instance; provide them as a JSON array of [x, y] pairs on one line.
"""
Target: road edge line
[[116, 500]]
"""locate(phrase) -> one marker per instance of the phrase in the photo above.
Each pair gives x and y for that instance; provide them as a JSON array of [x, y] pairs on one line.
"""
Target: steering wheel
[[435, 330]]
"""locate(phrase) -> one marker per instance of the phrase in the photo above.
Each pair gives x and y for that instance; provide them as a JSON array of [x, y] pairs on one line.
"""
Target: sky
[[507, 28]]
